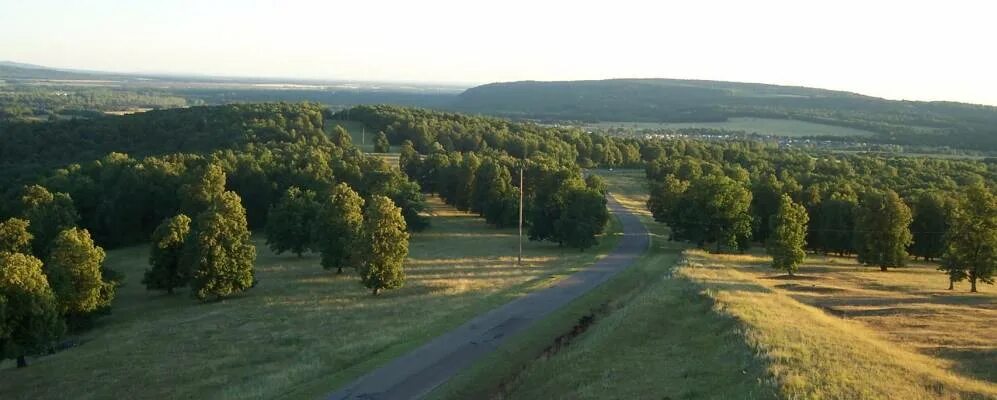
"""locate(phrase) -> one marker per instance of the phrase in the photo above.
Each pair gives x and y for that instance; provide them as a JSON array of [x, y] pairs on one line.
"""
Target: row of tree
[[370, 239], [881, 209], [558, 205]]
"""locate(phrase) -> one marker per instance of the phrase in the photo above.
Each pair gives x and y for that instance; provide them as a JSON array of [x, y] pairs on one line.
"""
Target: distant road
[[415, 374]]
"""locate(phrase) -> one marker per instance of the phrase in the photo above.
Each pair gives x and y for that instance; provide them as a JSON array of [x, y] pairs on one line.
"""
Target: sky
[[917, 50]]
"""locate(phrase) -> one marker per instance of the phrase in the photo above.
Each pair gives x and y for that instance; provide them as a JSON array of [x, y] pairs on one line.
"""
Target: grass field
[[843, 331], [762, 126], [301, 332]]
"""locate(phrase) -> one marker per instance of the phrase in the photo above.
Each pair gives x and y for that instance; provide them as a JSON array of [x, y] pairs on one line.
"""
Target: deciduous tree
[[289, 223], [381, 144], [882, 230], [384, 245], [788, 235], [14, 236], [48, 214], [218, 252], [164, 255], [31, 320], [337, 228], [74, 271], [971, 251]]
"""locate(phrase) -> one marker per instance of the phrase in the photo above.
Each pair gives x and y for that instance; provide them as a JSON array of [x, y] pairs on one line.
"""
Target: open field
[[301, 332], [844, 331], [762, 126]]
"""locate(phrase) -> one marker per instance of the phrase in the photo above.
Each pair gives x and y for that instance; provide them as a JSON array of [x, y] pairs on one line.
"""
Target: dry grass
[[301, 332], [843, 331]]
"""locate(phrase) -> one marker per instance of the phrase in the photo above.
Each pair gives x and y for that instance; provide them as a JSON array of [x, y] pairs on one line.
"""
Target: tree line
[[474, 163], [883, 210]]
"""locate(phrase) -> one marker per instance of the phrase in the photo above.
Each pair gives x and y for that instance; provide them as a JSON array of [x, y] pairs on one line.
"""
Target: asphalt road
[[415, 374]]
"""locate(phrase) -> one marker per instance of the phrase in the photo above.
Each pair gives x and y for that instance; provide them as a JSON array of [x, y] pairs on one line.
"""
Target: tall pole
[[363, 135], [521, 189]]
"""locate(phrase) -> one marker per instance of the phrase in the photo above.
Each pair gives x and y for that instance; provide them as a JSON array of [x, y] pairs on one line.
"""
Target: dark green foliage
[[48, 215], [789, 235], [262, 149], [582, 217], [971, 251], [218, 253], [14, 236], [337, 228], [206, 184], [290, 222], [74, 271], [882, 229], [31, 320], [837, 225], [381, 144], [493, 196], [384, 245], [932, 213], [710, 209], [164, 255]]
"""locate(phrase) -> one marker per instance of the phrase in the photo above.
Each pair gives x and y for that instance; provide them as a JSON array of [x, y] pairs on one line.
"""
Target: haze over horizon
[[891, 49]]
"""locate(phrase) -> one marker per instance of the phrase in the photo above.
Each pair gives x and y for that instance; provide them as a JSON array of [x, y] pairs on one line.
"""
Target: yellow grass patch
[[840, 330]]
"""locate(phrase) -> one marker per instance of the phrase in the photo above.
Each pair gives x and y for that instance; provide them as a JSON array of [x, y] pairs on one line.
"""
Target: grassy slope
[[642, 308], [902, 337], [301, 332], [762, 126]]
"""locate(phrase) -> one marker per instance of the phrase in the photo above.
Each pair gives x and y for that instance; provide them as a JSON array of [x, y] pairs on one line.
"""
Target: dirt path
[[415, 374]]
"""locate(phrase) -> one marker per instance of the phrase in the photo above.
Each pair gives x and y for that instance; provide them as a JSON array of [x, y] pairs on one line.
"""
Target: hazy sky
[[940, 50]]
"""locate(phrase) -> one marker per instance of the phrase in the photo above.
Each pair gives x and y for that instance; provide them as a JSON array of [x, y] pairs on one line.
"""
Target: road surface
[[415, 374]]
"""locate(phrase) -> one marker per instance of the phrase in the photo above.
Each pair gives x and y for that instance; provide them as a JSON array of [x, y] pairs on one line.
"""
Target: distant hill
[[671, 100]]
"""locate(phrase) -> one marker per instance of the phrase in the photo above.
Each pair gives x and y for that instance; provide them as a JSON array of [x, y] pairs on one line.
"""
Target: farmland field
[[302, 331], [762, 126]]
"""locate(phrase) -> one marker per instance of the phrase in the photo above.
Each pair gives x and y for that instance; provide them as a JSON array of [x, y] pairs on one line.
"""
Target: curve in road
[[416, 373]]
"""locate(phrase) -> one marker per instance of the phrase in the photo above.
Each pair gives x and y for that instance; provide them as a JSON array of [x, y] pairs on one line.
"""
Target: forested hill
[[668, 100]]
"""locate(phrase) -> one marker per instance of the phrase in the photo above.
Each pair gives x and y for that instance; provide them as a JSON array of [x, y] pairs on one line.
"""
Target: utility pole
[[363, 136], [521, 189]]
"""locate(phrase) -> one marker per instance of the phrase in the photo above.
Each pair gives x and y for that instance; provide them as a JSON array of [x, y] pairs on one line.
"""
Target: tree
[[882, 230], [715, 209], [597, 183], [788, 235], [931, 220], [341, 137], [48, 214], [289, 223], [381, 144], [31, 320], [971, 250], [164, 256], [74, 272], [384, 245], [218, 252], [583, 216], [14, 236], [207, 183], [836, 224], [337, 228]]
